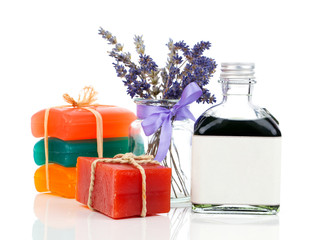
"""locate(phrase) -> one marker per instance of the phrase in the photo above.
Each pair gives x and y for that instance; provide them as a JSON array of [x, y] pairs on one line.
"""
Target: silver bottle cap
[[239, 72]]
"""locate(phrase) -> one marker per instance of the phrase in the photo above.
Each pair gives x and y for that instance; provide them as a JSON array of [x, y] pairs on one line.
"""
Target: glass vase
[[178, 157]]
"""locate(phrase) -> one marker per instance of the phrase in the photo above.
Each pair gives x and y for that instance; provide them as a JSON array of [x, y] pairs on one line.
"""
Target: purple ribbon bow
[[155, 117]]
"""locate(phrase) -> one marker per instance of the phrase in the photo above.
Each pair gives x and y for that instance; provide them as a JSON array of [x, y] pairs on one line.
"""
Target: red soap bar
[[118, 188]]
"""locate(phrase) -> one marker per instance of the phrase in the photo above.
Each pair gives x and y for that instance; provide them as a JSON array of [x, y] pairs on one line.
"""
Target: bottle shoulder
[[232, 111]]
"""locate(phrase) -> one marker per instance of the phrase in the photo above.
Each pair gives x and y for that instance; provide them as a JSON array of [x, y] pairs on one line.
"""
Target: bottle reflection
[[61, 218], [179, 220], [234, 227]]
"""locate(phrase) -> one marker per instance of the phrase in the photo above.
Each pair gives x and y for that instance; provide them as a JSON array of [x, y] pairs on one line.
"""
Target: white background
[[48, 48]]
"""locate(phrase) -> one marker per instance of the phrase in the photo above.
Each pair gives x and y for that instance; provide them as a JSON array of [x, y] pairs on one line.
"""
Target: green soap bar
[[66, 153], [136, 145]]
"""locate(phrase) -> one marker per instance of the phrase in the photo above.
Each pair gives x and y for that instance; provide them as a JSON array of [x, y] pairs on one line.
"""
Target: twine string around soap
[[85, 102], [127, 158]]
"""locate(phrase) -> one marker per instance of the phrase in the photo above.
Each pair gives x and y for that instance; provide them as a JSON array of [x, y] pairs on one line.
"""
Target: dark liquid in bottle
[[265, 127]]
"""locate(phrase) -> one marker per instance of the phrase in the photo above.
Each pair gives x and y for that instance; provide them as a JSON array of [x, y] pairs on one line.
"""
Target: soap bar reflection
[[61, 218]]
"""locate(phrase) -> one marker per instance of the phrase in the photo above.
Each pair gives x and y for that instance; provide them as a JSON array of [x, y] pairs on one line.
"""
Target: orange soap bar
[[118, 188], [62, 180], [78, 123]]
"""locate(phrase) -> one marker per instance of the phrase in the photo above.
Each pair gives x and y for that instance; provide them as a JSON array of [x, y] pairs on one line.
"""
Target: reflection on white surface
[[179, 222], [61, 218], [56, 218], [93, 225], [234, 227]]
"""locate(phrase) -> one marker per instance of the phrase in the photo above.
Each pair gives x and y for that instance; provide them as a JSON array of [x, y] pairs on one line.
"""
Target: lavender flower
[[139, 44], [171, 54], [177, 59], [135, 85], [184, 65], [184, 48], [147, 64], [107, 35], [120, 70], [175, 91], [200, 47], [118, 48]]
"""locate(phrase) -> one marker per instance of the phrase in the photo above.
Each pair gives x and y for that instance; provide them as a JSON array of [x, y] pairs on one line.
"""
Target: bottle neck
[[237, 81], [237, 92]]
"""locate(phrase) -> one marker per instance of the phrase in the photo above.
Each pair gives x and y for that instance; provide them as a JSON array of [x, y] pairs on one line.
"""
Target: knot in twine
[[87, 100], [127, 158]]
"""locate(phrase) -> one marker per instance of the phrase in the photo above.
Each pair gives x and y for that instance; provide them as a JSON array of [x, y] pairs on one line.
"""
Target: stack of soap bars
[[72, 133]]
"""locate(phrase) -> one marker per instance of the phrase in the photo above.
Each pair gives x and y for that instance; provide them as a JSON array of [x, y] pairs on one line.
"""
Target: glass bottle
[[236, 151], [178, 156]]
